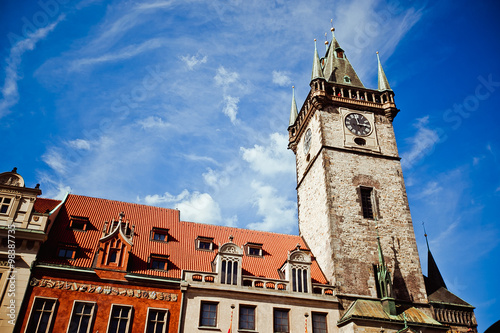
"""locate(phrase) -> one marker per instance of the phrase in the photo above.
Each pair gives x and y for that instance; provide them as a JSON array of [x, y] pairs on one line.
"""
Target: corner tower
[[349, 177]]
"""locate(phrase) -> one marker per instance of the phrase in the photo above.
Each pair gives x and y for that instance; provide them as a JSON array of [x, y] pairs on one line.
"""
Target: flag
[[231, 323]]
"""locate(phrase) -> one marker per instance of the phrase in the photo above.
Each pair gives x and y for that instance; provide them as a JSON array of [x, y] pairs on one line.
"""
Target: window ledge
[[247, 331], [209, 328]]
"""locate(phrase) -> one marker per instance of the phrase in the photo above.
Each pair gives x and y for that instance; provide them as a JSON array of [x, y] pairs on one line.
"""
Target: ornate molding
[[105, 290]]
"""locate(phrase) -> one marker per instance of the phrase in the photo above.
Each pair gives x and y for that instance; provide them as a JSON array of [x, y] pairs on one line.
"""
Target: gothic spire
[[383, 275], [293, 111], [434, 278], [317, 72], [337, 68], [383, 84]]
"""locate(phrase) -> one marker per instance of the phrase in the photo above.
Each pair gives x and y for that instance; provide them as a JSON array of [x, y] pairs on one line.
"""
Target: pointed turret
[[383, 84], [293, 111], [337, 68], [434, 278], [317, 72]]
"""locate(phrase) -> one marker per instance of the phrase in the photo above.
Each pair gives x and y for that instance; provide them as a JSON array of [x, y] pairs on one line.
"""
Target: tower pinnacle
[[316, 71], [293, 111], [383, 84]]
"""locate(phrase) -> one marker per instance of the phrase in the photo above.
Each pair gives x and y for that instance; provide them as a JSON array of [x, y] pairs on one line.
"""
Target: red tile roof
[[181, 247], [44, 205]]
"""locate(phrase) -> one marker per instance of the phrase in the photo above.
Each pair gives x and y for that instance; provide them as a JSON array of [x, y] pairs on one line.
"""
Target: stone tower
[[349, 180]]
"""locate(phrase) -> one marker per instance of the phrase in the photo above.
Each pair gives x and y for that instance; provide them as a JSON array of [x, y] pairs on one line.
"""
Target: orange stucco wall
[[66, 297]]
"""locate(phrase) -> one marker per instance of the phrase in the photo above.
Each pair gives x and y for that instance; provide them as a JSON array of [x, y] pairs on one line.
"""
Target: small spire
[[326, 43], [316, 71], [384, 276], [383, 84], [293, 112]]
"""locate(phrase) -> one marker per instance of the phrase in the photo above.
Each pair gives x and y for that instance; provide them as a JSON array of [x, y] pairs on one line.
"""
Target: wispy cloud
[[281, 78], [153, 122], [125, 53], [10, 93], [193, 61], [421, 143]]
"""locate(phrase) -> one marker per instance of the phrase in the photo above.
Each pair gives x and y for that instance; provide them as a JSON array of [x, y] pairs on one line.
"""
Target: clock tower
[[350, 184]]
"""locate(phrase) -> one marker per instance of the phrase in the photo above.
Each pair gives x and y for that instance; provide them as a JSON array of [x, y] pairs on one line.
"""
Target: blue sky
[[185, 104]]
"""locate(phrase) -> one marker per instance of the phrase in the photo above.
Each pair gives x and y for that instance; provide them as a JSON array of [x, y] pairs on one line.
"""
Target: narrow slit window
[[366, 202]]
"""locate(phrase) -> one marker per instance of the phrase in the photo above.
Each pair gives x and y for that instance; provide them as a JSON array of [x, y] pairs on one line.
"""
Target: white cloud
[[430, 189], [153, 123], [10, 94], [225, 78], [79, 144], [216, 179], [231, 107], [193, 207], [281, 78], [156, 5], [55, 160], [193, 61], [422, 143], [278, 212], [271, 159], [125, 53]]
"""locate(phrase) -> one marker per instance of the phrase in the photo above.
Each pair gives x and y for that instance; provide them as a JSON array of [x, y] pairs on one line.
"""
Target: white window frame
[[51, 319], [2, 197], [129, 321], [165, 328], [92, 315]]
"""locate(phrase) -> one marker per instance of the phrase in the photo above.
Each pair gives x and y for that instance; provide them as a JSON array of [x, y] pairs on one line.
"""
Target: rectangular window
[[157, 321], [319, 322], [82, 317], [78, 223], [158, 261], [247, 317], [366, 202], [208, 314], [281, 321], [159, 235], [4, 205], [253, 249], [120, 319], [67, 251], [204, 243], [42, 314]]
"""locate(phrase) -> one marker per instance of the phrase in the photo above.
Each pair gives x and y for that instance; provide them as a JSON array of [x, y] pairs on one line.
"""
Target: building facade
[[110, 266], [24, 223]]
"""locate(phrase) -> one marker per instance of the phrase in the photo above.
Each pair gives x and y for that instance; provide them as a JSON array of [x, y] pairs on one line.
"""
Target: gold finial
[[332, 29], [377, 52], [293, 87], [314, 39]]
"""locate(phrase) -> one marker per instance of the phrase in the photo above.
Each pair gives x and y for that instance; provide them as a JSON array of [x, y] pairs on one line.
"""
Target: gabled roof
[[181, 246], [44, 205], [373, 309]]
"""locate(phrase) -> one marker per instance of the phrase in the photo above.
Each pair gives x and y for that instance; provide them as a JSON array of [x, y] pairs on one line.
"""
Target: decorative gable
[[115, 245], [228, 263]]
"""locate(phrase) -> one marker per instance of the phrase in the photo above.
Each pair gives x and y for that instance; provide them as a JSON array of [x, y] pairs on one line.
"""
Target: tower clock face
[[358, 124], [307, 141]]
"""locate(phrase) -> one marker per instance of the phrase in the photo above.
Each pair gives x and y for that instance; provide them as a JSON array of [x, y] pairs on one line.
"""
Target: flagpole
[[231, 322]]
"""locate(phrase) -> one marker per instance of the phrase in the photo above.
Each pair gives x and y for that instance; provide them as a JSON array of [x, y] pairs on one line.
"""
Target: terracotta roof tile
[[44, 205], [181, 246]]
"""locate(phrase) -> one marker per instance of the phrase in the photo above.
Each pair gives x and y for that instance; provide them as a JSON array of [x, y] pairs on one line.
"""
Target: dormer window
[[347, 79], [4, 204], [159, 235], [158, 262], [79, 223], [297, 270], [340, 54], [67, 251], [228, 263], [204, 243], [253, 249]]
